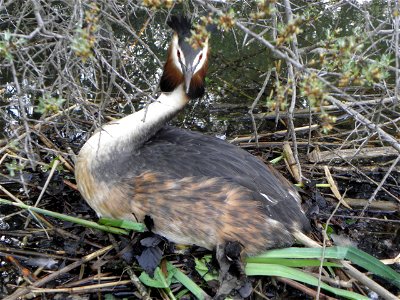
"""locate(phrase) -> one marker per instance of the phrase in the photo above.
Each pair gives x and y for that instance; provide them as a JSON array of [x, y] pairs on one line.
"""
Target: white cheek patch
[[201, 61], [175, 49]]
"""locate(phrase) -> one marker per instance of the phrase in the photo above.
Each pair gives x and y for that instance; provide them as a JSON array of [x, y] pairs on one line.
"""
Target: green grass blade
[[67, 218], [182, 293], [276, 160], [130, 225], [355, 255], [373, 265], [294, 252], [253, 269], [202, 267], [295, 263], [158, 280], [187, 282]]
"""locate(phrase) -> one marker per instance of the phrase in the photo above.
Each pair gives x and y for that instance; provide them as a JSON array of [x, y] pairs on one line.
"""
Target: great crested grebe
[[197, 189]]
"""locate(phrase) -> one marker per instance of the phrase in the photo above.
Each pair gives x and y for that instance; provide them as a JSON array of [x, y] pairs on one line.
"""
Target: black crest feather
[[180, 24]]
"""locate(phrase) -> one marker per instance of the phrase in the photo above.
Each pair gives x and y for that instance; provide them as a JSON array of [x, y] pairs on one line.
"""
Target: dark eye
[[200, 57], [178, 53]]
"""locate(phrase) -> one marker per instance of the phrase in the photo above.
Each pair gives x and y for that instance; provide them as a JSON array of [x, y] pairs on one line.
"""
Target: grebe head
[[185, 64]]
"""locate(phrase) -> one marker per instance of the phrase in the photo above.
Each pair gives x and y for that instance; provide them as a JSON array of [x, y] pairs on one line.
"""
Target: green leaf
[[49, 104], [139, 227], [373, 265], [158, 281], [253, 269], [110, 297], [329, 230], [67, 218], [351, 221], [294, 252], [182, 293], [13, 167], [187, 282], [355, 255], [296, 263], [204, 271], [276, 160]]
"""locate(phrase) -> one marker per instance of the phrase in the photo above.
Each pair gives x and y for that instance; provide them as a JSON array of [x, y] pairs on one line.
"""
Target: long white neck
[[130, 132]]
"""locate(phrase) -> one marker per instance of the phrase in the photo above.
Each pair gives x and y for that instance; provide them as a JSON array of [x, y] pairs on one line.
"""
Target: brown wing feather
[[204, 211]]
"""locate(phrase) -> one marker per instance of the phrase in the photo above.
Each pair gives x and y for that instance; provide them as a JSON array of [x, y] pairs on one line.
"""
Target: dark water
[[238, 66]]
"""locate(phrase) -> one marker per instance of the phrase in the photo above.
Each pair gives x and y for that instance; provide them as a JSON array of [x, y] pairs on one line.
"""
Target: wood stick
[[343, 154], [291, 163], [82, 289], [249, 138], [25, 290], [306, 290], [263, 145], [37, 126], [376, 204]]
